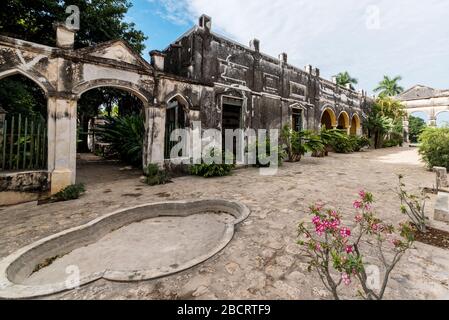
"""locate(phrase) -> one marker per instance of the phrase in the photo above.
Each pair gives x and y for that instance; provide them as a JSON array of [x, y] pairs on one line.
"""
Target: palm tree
[[389, 87], [343, 79]]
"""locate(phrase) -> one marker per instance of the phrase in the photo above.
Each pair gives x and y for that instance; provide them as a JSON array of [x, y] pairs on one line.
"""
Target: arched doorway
[[23, 123], [328, 119], [355, 125], [442, 119], [176, 117], [110, 134], [343, 121]]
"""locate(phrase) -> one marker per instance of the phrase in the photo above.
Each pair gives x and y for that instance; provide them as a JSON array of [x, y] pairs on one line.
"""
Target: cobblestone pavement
[[262, 261]]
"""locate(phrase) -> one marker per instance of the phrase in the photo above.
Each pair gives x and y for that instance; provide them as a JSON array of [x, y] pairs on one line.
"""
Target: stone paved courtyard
[[262, 262]]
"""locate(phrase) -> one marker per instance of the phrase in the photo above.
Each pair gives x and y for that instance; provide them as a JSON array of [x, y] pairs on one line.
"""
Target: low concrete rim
[[11, 290]]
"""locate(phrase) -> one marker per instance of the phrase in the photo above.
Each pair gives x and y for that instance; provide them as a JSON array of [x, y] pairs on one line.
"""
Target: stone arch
[[355, 125], [180, 98], [46, 88], [442, 118], [104, 83], [343, 121], [328, 118]]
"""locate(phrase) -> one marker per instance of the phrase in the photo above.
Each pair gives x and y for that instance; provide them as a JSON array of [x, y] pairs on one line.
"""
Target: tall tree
[[344, 78], [389, 87], [101, 20], [385, 120]]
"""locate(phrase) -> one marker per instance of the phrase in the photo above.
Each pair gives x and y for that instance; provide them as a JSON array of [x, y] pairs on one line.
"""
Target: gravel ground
[[262, 261]]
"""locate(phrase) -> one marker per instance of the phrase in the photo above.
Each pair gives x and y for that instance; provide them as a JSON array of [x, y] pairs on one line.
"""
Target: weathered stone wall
[[23, 186], [270, 87]]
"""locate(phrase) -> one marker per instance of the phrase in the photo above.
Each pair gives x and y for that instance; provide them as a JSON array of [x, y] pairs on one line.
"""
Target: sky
[[367, 38]]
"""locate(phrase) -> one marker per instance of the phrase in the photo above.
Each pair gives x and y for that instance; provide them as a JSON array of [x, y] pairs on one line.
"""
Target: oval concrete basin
[[135, 244]]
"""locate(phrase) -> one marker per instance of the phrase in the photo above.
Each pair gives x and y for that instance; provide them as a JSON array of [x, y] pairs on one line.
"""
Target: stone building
[[200, 77]]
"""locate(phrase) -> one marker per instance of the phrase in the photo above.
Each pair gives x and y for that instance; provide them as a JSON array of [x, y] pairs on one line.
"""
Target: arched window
[[175, 118], [328, 119]]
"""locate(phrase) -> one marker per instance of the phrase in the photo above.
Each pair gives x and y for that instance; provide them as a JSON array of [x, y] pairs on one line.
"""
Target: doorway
[[231, 120]]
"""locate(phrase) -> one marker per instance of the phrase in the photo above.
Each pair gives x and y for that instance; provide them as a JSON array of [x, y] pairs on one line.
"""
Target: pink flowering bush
[[333, 250]]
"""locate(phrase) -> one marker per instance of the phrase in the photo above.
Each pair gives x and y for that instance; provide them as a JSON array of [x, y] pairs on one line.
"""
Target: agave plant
[[125, 136]]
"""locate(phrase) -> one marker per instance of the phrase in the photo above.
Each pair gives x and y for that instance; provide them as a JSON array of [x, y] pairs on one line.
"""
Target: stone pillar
[[65, 37], [441, 174], [155, 135], [255, 45], [442, 207], [406, 130], [157, 60], [61, 142]]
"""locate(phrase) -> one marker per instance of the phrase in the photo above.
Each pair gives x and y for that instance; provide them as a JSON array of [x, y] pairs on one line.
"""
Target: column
[[155, 135], [406, 130], [61, 142]]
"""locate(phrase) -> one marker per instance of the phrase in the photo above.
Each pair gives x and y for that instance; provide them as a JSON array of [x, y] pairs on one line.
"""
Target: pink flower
[[375, 227], [334, 213], [345, 232], [335, 224], [346, 278], [358, 218], [349, 249], [362, 194], [316, 220], [358, 204], [367, 207], [320, 229], [318, 247]]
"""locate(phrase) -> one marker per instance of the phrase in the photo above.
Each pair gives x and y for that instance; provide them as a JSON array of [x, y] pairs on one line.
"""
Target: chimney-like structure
[[308, 68], [316, 72], [157, 60], [65, 37], [255, 45], [205, 23], [283, 58]]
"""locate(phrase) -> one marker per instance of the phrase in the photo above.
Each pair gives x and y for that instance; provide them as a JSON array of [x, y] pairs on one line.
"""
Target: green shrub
[[126, 136], [396, 139], [434, 147], [154, 176], [363, 142], [72, 192], [360, 142], [209, 169], [330, 137], [298, 144], [342, 143]]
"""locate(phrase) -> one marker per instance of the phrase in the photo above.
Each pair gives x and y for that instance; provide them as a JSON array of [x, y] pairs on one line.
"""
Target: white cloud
[[412, 39]]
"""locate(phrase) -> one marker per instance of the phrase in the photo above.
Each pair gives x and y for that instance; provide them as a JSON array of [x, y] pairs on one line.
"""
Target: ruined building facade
[[200, 77]]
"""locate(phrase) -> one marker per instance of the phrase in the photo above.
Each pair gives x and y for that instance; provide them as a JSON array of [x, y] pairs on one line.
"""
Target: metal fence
[[23, 143]]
